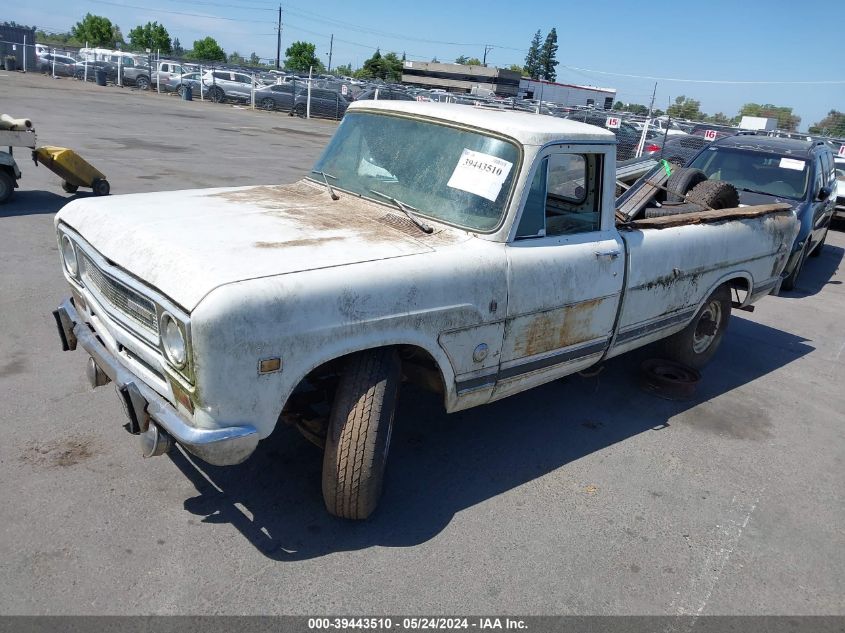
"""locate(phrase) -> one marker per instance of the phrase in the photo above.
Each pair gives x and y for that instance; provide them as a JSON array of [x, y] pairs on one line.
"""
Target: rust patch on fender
[[555, 329]]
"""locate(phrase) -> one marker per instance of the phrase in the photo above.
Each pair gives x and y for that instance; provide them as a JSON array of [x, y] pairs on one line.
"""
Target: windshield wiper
[[764, 193], [326, 180], [425, 228]]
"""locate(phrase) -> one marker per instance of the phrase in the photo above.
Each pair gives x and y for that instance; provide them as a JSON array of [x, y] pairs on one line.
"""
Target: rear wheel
[[268, 104], [7, 186], [695, 345], [299, 109], [101, 187], [358, 437], [69, 188], [142, 82], [216, 95]]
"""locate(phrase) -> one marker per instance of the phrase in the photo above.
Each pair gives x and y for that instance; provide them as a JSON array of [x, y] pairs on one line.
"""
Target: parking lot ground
[[584, 496]]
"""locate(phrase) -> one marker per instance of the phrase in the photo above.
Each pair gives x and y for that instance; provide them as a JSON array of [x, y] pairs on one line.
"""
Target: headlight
[[173, 341], [69, 256]]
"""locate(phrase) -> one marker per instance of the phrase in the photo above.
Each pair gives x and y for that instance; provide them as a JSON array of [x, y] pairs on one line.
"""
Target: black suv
[[766, 170]]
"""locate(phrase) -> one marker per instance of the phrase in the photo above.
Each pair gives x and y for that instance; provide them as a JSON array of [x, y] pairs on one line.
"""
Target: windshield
[[444, 173], [780, 176]]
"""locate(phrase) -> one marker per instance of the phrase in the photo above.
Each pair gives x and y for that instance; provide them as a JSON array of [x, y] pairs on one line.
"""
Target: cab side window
[[564, 197]]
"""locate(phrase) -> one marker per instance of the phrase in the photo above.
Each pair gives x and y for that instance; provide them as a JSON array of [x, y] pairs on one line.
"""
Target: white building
[[567, 94]]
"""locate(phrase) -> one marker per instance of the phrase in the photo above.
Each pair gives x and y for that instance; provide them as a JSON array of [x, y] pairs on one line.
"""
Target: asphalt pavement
[[584, 496]]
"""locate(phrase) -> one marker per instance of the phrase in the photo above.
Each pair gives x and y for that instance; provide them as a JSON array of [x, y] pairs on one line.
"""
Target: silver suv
[[227, 84]]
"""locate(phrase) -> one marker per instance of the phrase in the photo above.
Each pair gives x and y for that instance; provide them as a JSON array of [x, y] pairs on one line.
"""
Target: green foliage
[[207, 49], [177, 48], [516, 68], [685, 108], [548, 57], [57, 39], [254, 60], [301, 56], [153, 36], [786, 120], [618, 106], [468, 61], [532, 59], [720, 118], [236, 59], [96, 31], [832, 125], [387, 67], [343, 70]]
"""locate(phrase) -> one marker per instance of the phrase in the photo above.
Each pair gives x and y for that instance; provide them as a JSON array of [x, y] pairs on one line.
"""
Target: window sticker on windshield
[[791, 163], [481, 174]]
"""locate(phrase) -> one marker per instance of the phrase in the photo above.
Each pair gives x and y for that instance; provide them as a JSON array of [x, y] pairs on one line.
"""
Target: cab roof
[[525, 127]]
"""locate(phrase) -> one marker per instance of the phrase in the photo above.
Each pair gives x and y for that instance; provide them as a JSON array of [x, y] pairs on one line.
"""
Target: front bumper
[[220, 447]]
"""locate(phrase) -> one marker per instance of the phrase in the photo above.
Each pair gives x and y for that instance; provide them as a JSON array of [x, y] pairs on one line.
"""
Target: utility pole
[[487, 49], [279, 38], [331, 46], [653, 93]]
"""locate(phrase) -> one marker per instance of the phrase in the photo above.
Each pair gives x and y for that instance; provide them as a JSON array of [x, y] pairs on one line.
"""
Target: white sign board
[[791, 163], [344, 89], [479, 173], [710, 135], [612, 122]]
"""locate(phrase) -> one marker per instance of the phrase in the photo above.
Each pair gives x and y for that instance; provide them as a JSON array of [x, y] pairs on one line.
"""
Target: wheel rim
[[707, 327], [267, 104]]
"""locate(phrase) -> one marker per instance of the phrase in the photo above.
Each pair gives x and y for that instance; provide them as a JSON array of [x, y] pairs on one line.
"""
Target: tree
[[618, 106], [177, 48], [95, 30], [463, 59], [786, 120], [685, 108], [343, 70], [832, 125], [532, 59], [153, 36], [548, 57], [207, 49], [301, 56], [372, 66], [254, 60], [386, 68], [473, 61], [720, 118], [516, 68], [236, 58]]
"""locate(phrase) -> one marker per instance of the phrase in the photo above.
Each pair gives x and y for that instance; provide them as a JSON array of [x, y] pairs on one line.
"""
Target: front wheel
[[791, 279], [695, 345], [818, 250], [358, 437]]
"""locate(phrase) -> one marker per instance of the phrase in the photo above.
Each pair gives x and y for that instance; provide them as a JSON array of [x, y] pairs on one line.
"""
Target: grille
[[120, 297]]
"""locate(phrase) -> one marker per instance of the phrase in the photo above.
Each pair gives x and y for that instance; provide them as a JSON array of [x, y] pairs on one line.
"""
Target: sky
[[724, 53]]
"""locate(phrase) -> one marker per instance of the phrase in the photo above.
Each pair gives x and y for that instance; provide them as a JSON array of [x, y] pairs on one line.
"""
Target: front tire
[[101, 187], [791, 279], [142, 82], [69, 188], [696, 344], [358, 437], [7, 186]]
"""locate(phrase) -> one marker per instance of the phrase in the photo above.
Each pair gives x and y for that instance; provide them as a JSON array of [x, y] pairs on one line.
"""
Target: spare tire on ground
[[710, 194]]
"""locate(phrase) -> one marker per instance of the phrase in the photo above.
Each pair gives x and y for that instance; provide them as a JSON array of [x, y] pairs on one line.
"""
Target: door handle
[[607, 254]]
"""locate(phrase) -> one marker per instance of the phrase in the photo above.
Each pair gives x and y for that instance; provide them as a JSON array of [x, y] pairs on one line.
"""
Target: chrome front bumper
[[221, 447]]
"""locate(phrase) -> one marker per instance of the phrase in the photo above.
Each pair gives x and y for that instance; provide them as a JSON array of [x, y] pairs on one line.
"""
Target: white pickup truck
[[478, 253]]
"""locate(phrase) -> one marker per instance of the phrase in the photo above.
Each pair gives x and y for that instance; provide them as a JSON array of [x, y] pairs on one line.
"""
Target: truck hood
[[186, 243]]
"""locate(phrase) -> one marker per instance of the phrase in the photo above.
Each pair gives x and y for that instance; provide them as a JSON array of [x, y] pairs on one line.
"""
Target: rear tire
[[696, 344], [268, 104], [681, 182], [7, 186], [101, 187], [358, 437], [299, 110], [69, 188], [142, 82], [216, 95]]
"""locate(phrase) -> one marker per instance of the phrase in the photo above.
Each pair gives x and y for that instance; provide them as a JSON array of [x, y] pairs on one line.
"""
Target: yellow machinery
[[74, 170]]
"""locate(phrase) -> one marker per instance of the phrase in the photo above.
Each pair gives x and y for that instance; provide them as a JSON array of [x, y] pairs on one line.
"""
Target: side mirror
[[824, 193]]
